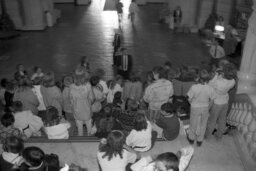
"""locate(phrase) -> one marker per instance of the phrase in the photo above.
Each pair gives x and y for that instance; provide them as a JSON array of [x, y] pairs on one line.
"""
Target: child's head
[[134, 76], [17, 106], [119, 80], [10, 86], [167, 65], [13, 144], [49, 79], [67, 81], [24, 82], [107, 110], [158, 73], [100, 73], [131, 105], [167, 109], [7, 120], [150, 77], [140, 122], [229, 71], [4, 82], [33, 156], [81, 78], [83, 60], [37, 81], [20, 67], [37, 70], [94, 80], [167, 162], [204, 76], [118, 98], [51, 116], [53, 163]]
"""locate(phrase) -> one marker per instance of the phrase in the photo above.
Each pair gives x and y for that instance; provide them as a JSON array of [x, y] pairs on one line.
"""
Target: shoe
[[199, 143], [189, 140]]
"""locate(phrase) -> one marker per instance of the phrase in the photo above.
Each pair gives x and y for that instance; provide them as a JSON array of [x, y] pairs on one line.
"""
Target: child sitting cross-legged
[[166, 161], [10, 159], [168, 123], [54, 126]]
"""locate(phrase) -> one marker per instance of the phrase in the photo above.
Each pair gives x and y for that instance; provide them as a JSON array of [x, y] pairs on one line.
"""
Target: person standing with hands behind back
[[119, 9], [132, 10]]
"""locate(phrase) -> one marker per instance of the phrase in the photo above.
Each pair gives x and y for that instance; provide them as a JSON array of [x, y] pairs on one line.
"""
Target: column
[[247, 73]]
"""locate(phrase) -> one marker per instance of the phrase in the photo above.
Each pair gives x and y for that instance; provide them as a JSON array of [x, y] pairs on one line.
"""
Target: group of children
[[16, 157], [36, 105]]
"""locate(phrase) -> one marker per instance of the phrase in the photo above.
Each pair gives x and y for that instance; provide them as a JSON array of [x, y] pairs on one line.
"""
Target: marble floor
[[88, 30], [211, 156]]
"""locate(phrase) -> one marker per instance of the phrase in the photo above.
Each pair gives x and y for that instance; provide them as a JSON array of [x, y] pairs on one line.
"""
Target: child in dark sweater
[[169, 122]]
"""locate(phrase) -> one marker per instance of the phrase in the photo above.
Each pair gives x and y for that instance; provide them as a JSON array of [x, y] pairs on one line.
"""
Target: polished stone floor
[[87, 30]]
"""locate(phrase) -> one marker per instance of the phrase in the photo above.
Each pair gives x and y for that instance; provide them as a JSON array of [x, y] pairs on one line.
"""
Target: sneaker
[[189, 140], [199, 143]]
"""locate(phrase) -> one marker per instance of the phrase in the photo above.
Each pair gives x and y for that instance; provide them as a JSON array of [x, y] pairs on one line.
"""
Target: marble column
[[247, 73]]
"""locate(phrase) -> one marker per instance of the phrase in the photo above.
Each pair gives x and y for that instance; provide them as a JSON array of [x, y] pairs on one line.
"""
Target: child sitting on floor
[[7, 128], [25, 120], [10, 159], [34, 159], [54, 126], [168, 122]]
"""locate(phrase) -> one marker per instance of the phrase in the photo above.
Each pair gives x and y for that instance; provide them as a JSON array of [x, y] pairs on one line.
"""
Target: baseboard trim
[[243, 151]]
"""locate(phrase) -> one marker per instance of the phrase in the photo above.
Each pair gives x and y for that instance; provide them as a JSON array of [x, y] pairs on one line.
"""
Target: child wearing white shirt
[[54, 126], [165, 161]]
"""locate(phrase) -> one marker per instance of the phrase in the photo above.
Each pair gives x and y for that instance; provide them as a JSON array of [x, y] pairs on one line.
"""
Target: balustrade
[[242, 115]]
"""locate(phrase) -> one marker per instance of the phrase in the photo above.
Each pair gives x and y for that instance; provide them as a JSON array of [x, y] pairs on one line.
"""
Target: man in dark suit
[[117, 41], [124, 63]]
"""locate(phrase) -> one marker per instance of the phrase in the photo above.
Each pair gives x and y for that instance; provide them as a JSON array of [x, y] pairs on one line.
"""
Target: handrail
[[242, 115]]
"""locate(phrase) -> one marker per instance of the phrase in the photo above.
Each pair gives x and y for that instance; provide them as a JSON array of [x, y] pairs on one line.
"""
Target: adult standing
[[25, 94], [158, 93], [177, 16], [81, 99], [119, 9], [124, 63], [223, 81]]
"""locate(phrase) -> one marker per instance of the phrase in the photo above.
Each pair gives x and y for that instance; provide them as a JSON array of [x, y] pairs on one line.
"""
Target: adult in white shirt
[[223, 81], [112, 156], [158, 93], [139, 138]]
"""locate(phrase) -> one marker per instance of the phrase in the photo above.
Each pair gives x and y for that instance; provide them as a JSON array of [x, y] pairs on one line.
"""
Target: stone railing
[[242, 115]]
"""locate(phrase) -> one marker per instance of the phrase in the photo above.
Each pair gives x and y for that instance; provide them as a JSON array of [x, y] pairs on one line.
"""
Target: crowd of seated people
[[122, 112]]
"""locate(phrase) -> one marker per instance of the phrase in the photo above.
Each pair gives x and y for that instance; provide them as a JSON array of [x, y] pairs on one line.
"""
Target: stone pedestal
[[247, 73]]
